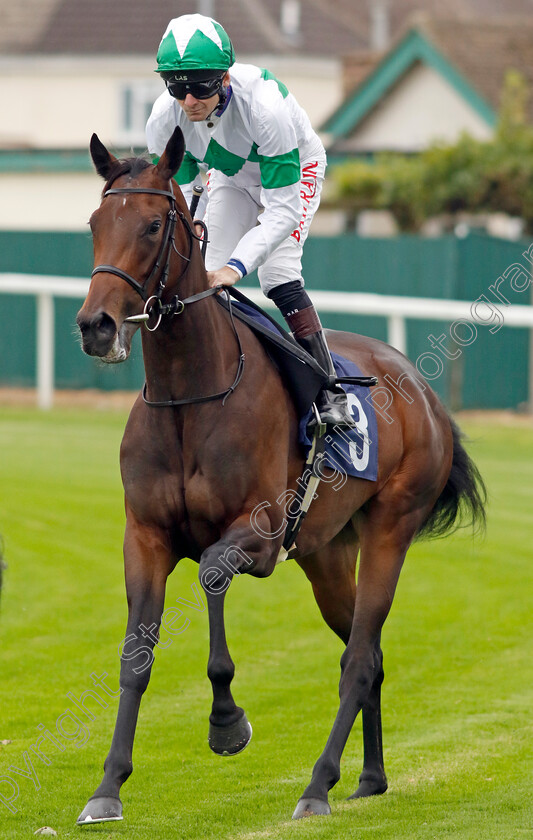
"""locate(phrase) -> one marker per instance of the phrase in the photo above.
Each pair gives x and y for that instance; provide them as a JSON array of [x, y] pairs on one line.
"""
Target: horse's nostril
[[98, 332], [104, 325], [98, 326]]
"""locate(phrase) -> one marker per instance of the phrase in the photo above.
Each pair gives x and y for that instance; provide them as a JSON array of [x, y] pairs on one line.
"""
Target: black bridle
[[175, 306], [165, 251]]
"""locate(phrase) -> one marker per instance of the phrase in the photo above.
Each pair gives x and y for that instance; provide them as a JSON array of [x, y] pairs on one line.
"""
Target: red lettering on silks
[[308, 190], [310, 169]]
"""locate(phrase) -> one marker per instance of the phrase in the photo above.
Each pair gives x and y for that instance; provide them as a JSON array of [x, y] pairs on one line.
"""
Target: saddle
[[303, 376]]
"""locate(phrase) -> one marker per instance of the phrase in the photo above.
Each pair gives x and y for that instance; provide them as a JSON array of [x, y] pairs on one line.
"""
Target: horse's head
[[133, 235]]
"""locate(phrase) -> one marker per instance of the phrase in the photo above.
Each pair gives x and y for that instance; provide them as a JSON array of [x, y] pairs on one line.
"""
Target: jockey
[[266, 167]]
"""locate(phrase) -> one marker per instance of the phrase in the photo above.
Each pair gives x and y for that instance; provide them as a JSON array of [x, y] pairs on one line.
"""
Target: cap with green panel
[[194, 47]]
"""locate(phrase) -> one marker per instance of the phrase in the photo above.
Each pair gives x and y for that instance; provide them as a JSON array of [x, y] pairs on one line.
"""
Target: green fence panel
[[58, 253], [41, 252], [489, 371], [403, 265], [17, 340], [73, 369], [495, 365], [62, 254]]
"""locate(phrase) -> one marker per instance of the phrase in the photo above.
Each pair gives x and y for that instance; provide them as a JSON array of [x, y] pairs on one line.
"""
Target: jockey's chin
[[197, 110]]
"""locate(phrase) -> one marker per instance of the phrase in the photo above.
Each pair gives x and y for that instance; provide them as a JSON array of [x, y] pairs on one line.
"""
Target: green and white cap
[[192, 43]]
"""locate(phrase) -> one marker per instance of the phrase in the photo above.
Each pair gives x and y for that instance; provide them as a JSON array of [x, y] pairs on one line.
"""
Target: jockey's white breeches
[[234, 210]]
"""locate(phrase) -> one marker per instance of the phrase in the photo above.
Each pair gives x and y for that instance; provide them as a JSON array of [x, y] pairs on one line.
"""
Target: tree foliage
[[470, 175]]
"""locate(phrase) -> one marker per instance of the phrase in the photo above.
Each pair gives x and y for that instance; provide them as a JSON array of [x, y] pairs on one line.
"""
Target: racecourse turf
[[458, 661]]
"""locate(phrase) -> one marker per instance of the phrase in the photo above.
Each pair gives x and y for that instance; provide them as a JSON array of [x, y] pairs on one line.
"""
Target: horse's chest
[[153, 486], [185, 503], [203, 501]]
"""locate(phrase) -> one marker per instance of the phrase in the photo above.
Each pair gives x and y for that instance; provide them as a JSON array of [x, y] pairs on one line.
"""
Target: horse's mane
[[128, 166]]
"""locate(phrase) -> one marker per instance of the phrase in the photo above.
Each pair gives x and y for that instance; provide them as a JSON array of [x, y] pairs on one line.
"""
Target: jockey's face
[[197, 110]]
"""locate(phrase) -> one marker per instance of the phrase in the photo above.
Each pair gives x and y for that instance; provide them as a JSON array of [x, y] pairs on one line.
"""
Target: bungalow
[[443, 77]]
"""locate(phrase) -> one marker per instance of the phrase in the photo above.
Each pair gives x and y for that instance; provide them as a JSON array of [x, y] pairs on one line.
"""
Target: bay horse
[[212, 440]]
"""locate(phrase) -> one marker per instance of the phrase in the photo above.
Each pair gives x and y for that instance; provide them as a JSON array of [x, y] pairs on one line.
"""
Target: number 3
[[359, 456]]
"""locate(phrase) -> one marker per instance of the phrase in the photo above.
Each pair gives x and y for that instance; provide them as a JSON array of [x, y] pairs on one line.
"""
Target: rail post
[[396, 334], [45, 350]]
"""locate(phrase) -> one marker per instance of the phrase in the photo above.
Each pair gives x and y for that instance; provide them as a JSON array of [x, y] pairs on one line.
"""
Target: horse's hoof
[[230, 740], [369, 787], [100, 809], [311, 808]]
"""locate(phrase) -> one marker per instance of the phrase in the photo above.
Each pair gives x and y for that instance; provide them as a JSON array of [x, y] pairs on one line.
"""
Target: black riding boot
[[331, 402], [297, 308]]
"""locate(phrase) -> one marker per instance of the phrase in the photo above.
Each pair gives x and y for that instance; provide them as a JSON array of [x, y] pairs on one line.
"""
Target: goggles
[[200, 90]]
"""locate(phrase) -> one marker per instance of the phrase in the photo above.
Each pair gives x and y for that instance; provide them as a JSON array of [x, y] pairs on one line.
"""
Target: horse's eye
[[154, 227]]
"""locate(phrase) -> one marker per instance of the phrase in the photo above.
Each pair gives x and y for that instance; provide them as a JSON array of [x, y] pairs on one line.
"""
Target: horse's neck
[[190, 354]]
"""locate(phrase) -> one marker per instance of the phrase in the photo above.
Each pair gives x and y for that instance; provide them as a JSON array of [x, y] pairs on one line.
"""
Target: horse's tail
[[462, 502]]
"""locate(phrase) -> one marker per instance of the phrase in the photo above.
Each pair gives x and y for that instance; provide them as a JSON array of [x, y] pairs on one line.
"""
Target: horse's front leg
[[240, 550], [147, 565]]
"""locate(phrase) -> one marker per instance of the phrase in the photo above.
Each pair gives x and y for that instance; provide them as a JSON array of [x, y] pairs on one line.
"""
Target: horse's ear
[[170, 160], [102, 159]]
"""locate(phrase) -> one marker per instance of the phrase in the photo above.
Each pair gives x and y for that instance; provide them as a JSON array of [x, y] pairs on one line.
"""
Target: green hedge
[[470, 175]]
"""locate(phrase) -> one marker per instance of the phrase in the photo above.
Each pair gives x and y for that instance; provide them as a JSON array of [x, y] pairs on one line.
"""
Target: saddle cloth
[[352, 452]]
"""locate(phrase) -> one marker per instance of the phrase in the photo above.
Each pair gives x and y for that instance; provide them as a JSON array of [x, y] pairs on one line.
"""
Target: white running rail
[[394, 308]]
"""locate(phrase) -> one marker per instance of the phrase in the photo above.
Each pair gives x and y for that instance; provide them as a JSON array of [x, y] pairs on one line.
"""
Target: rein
[[221, 395], [176, 306]]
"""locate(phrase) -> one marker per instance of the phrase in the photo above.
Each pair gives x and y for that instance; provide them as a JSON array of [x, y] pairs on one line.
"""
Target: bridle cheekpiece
[[165, 251]]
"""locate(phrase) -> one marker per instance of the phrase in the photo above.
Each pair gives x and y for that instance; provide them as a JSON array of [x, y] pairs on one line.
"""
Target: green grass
[[459, 676]]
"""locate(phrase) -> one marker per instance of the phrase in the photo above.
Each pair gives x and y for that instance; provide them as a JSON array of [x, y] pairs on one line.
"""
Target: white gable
[[421, 108]]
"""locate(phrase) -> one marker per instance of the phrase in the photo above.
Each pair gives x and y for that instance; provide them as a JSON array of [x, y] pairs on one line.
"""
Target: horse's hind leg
[[331, 572], [373, 780], [384, 543]]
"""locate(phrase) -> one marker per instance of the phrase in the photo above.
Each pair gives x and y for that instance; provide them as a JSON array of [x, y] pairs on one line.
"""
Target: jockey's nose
[[98, 332]]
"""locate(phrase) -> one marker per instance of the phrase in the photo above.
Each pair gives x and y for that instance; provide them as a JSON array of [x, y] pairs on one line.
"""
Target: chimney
[[207, 8], [290, 12], [379, 25]]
